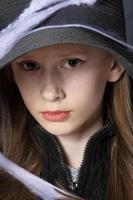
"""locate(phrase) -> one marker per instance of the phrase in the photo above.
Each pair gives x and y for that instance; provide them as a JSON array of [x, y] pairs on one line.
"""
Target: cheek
[[86, 86], [27, 89], [86, 93]]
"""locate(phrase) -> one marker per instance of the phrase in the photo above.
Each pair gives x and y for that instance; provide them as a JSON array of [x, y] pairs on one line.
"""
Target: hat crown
[[104, 15], [24, 20], [10, 10]]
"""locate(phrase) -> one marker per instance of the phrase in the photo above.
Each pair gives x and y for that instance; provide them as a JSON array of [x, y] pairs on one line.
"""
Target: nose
[[52, 91]]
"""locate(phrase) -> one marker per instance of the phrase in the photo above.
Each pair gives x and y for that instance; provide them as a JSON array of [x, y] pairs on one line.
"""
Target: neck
[[74, 143]]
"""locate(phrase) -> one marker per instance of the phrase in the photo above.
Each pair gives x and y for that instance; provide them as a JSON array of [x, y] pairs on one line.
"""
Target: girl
[[66, 102]]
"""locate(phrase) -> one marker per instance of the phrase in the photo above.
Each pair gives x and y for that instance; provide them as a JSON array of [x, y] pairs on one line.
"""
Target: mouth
[[55, 116]]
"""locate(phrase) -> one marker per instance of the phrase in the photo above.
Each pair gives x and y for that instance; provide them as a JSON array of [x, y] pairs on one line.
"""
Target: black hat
[[30, 24]]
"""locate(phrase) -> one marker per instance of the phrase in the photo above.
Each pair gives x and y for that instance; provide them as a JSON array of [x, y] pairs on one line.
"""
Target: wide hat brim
[[47, 36], [75, 24]]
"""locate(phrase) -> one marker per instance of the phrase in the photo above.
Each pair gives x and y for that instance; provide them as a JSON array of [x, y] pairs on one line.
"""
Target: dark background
[[128, 5]]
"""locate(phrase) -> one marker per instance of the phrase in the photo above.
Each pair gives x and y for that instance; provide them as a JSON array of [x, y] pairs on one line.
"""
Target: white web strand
[[36, 185], [34, 7], [87, 2], [29, 19]]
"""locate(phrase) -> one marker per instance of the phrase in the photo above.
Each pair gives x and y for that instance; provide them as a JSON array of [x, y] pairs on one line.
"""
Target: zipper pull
[[73, 186]]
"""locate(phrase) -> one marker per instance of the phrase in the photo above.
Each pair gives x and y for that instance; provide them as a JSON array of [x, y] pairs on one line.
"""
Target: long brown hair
[[18, 144], [120, 183]]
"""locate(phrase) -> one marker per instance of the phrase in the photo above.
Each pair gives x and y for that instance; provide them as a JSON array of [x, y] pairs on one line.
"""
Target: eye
[[73, 63], [28, 65]]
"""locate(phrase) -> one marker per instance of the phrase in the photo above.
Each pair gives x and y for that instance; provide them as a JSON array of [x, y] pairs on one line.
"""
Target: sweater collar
[[96, 151], [42, 136]]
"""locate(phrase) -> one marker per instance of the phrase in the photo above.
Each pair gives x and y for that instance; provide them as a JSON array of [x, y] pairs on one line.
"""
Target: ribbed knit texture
[[95, 168]]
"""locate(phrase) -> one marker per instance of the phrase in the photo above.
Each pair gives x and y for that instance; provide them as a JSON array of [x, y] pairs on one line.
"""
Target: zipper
[[101, 130], [68, 176], [73, 186]]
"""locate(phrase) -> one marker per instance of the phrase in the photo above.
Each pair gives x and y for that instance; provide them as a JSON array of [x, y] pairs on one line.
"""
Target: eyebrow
[[74, 53], [19, 59], [70, 54]]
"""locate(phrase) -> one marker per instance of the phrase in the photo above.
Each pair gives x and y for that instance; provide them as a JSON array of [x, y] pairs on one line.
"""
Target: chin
[[58, 130]]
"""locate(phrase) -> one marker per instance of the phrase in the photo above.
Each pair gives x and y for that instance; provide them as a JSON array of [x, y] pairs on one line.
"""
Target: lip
[[55, 116]]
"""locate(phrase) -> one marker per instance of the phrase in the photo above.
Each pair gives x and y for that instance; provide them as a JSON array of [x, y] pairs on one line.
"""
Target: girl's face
[[65, 77]]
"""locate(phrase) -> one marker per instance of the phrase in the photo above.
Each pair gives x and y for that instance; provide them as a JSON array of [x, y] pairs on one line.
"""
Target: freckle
[[76, 78]]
